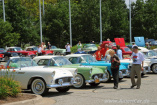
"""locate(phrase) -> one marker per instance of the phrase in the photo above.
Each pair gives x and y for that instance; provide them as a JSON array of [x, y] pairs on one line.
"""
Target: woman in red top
[[98, 54]]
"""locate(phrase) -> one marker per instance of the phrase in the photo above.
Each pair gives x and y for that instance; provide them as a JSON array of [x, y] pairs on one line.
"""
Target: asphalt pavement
[[105, 94]]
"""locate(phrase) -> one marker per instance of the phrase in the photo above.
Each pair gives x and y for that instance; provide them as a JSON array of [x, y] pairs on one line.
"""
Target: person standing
[[97, 54], [44, 46], [68, 49], [138, 59], [119, 52], [115, 62], [49, 46], [79, 45], [39, 50], [133, 44], [103, 50]]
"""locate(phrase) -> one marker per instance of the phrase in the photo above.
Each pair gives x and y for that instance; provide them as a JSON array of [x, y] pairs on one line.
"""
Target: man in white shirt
[[39, 50], [68, 49], [138, 59]]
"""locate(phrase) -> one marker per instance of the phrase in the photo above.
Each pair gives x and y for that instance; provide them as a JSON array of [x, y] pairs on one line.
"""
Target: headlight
[[75, 73], [53, 73], [90, 71]]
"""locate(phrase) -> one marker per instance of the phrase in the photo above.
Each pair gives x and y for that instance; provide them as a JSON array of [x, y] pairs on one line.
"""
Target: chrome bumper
[[58, 85], [120, 74]]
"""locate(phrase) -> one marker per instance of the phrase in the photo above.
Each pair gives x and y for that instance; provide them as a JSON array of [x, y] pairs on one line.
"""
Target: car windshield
[[62, 61], [2, 50], [53, 47], [89, 58], [126, 49], [90, 45], [17, 49], [35, 48], [144, 54], [21, 62]]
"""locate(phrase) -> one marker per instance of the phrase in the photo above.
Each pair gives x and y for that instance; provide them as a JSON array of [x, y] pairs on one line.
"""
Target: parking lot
[[105, 94]]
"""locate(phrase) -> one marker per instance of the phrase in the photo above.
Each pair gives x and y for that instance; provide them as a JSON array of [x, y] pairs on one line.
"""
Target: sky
[[127, 2]]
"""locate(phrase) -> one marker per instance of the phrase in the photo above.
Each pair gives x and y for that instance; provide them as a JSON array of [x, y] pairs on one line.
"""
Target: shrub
[[8, 86]]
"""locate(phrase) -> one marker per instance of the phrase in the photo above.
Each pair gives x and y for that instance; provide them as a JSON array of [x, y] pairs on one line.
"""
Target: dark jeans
[[68, 53], [115, 75]]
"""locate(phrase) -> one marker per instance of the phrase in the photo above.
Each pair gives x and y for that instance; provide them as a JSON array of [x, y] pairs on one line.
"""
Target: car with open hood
[[126, 52], [34, 50], [38, 79], [58, 51], [89, 60], [21, 52], [86, 74], [140, 42], [7, 55]]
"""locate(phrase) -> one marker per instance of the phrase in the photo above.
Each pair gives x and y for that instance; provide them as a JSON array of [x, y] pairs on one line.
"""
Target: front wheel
[[108, 77], [154, 68], [80, 81], [38, 87], [63, 89], [94, 84]]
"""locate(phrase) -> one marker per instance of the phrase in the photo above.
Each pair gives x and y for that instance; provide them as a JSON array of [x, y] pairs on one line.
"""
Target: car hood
[[139, 41], [120, 42]]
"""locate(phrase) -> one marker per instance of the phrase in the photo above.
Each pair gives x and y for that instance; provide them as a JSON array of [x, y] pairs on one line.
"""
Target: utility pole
[[3, 10], [130, 21], [100, 23], [70, 23], [40, 21]]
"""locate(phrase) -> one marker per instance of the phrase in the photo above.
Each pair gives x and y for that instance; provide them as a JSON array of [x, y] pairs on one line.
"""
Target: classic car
[[109, 43], [20, 51], [86, 59], [58, 51], [89, 48], [86, 74], [38, 79], [125, 50], [1, 56], [7, 55], [153, 43], [34, 50], [151, 60]]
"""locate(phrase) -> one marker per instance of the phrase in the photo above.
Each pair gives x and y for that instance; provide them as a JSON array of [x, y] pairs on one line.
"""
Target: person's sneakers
[[138, 87], [132, 86]]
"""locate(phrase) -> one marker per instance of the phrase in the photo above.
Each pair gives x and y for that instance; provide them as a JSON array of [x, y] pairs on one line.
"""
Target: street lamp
[[40, 21], [130, 20], [3, 10], [100, 24], [70, 23]]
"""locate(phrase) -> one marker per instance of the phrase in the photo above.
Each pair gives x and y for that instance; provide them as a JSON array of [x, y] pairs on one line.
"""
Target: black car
[[7, 55]]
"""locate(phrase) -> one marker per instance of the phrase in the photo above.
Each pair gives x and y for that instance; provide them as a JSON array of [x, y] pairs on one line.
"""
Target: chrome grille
[[65, 79], [99, 76]]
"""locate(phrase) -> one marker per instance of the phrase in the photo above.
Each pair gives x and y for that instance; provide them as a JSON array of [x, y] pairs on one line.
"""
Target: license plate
[[97, 81]]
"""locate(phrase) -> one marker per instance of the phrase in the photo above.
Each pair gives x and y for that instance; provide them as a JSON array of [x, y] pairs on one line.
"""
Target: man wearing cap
[[138, 59], [68, 49]]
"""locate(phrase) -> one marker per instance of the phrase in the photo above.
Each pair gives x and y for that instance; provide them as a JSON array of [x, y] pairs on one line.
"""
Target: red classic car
[[125, 50], [21, 52], [118, 41], [1, 56], [34, 49]]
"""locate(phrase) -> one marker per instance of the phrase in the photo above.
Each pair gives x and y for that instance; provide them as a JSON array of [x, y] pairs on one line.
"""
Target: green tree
[[8, 38]]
